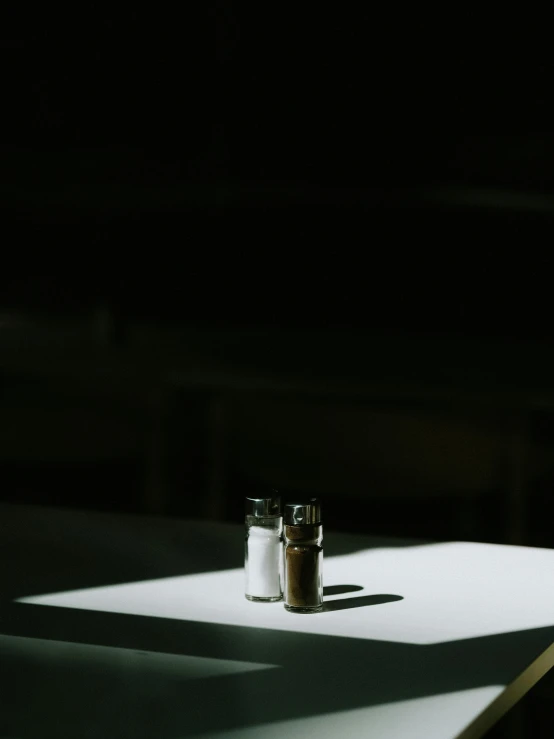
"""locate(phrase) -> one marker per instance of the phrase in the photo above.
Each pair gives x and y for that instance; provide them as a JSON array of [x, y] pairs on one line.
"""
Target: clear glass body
[[304, 568], [263, 558]]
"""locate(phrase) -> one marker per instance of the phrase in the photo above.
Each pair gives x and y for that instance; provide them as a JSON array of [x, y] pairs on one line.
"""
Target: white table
[[136, 627]]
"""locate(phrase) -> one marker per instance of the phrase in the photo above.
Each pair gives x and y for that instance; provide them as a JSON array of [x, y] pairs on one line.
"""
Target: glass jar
[[263, 549], [303, 557]]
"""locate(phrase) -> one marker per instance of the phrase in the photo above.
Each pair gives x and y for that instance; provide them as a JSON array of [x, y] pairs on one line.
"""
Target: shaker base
[[256, 599], [303, 609]]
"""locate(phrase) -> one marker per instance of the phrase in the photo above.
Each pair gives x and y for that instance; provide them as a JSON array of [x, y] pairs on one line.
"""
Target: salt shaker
[[263, 549], [303, 557]]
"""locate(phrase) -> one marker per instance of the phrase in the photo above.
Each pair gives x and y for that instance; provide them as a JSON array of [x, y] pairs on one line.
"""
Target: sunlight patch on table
[[447, 592]]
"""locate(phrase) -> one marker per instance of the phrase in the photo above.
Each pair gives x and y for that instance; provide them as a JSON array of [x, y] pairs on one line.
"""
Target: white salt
[[264, 562]]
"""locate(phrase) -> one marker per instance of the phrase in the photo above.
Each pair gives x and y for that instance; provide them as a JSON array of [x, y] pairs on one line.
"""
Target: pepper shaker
[[263, 549], [303, 557]]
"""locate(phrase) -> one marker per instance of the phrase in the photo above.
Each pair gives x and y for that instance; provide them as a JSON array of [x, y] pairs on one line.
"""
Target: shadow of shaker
[[359, 601]]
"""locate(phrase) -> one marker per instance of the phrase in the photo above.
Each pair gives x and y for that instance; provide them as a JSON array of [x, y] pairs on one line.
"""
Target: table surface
[[128, 626]]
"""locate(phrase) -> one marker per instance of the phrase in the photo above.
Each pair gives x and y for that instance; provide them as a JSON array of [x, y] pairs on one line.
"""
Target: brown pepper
[[303, 567]]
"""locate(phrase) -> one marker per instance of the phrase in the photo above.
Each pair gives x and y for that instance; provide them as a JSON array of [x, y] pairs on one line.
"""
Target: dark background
[[318, 258]]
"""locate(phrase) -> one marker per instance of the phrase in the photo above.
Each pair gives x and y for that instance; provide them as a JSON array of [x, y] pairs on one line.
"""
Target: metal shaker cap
[[297, 514], [270, 506]]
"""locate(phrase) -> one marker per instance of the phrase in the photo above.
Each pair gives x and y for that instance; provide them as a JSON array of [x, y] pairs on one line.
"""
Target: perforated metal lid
[[297, 514], [270, 506]]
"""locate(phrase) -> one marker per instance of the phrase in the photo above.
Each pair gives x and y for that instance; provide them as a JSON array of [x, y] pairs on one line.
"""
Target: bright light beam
[[450, 591]]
